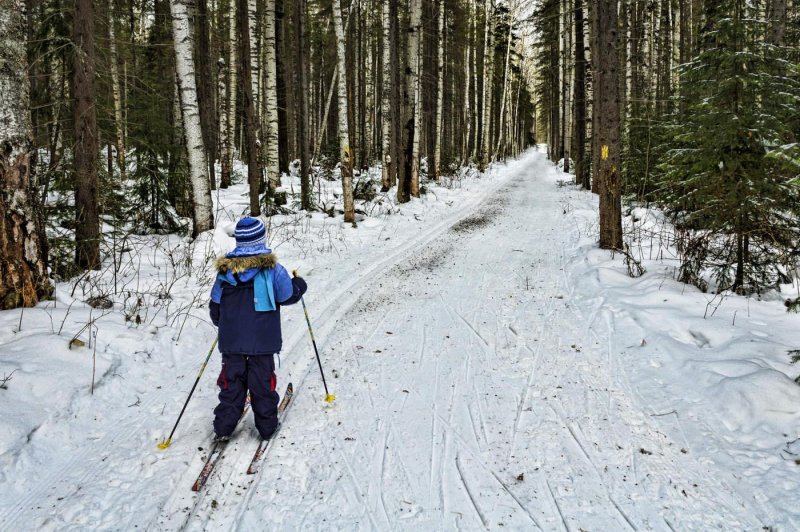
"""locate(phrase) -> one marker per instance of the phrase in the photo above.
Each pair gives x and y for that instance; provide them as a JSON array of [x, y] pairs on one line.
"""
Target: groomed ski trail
[[225, 498], [474, 391]]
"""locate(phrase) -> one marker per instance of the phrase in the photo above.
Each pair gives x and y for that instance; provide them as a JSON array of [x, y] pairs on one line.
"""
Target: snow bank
[[713, 369]]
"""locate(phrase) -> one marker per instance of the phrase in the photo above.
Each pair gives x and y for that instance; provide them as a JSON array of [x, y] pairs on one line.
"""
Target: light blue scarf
[[264, 291], [263, 288]]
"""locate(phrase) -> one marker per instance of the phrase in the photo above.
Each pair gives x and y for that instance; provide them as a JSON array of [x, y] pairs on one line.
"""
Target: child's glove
[[299, 284]]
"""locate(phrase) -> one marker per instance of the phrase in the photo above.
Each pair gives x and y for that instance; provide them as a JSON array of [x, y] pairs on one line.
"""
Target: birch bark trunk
[[202, 209], [23, 245], [116, 92], [477, 113], [414, 58], [581, 175], [252, 19], [229, 109], [488, 77], [271, 95], [467, 114], [345, 155], [388, 173], [437, 152]]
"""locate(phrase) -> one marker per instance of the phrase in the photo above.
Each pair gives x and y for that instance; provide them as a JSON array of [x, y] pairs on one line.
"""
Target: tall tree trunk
[[397, 91], [581, 173], [281, 78], [228, 113], [388, 177], [566, 44], [271, 95], [302, 100], [467, 109], [437, 152], [204, 79], [87, 216], [345, 155], [255, 66], [488, 85], [777, 18], [250, 125], [624, 41], [409, 100], [685, 32], [415, 59], [116, 92], [608, 133], [664, 69], [477, 97], [202, 207], [23, 245], [504, 94]]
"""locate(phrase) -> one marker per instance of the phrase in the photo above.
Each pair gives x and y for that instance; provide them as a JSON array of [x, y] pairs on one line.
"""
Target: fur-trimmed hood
[[241, 264]]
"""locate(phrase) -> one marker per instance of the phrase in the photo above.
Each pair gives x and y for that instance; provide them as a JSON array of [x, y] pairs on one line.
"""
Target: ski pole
[[167, 442], [328, 397]]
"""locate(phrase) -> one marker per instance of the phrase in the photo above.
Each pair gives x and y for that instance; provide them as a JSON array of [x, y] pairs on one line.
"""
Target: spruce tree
[[729, 191]]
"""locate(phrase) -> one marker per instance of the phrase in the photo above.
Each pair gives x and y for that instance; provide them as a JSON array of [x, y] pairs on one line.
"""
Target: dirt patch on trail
[[472, 223], [483, 217]]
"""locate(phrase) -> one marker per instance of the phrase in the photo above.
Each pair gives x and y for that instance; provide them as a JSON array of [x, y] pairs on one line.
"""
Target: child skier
[[246, 305]]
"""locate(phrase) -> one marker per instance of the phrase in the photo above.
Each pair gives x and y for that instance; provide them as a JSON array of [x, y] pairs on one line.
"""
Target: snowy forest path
[[477, 390]]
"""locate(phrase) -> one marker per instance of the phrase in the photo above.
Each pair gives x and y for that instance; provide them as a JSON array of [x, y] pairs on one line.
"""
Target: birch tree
[[488, 76], [23, 246], [409, 182], [228, 96], [579, 116], [271, 96], [437, 154], [254, 47], [345, 155], [468, 57], [388, 171], [116, 92], [415, 56], [202, 213]]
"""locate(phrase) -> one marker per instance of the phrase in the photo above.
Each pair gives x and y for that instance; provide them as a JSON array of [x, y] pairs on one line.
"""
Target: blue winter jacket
[[243, 329]]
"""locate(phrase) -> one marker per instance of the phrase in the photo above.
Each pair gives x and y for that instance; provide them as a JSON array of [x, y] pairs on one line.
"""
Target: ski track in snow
[[475, 390], [497, 382]]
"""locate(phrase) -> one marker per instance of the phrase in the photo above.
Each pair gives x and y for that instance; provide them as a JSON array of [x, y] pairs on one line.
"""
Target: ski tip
[[165, 444], [330, 398]]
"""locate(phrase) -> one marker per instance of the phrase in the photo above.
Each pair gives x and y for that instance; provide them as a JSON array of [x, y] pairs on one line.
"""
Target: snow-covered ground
[[492, 369]]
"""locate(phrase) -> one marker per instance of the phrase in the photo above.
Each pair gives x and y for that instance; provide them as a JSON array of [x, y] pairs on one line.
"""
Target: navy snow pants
[[239, 374]]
